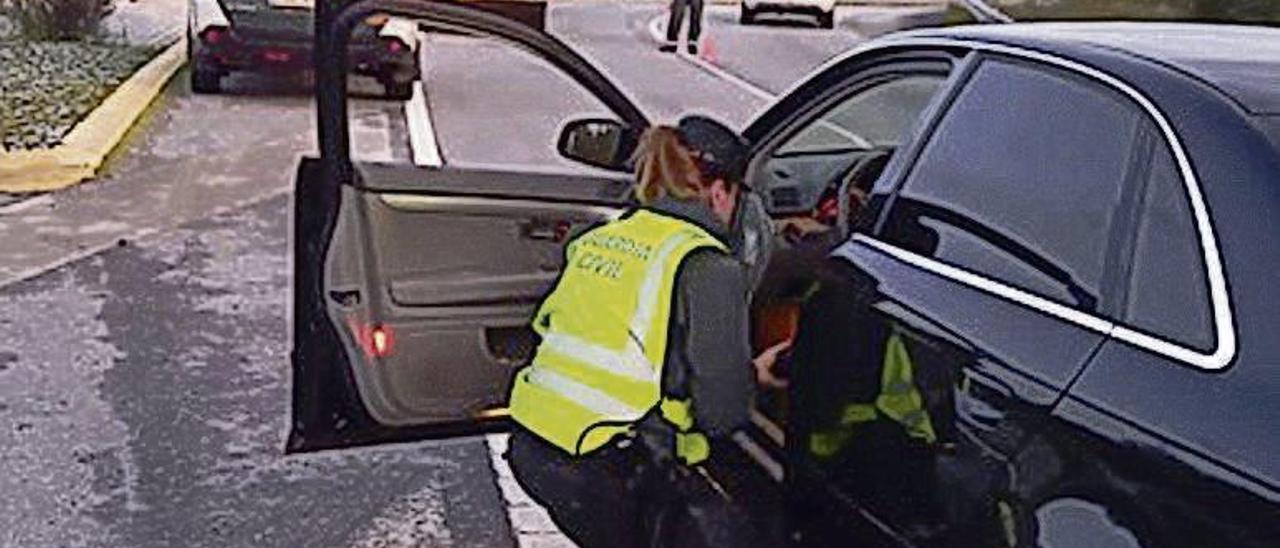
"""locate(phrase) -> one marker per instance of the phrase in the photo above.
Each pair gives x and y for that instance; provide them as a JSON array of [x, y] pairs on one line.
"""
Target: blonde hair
[[665, 167]]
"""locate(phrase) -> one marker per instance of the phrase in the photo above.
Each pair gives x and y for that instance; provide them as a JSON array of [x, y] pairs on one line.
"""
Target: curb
[[86, 147], [874, 27]]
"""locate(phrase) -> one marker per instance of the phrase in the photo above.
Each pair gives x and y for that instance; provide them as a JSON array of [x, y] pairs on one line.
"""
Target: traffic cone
[[708, 52]]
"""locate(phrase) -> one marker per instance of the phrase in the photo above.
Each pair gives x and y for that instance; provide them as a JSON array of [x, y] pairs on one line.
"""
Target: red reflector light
[[828, 209], [276, 56], [380, 339], [395, 46], [377, 341]]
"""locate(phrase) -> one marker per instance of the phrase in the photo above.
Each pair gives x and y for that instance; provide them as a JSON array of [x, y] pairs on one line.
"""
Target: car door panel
[[446, 275], [430, 279], [981, 303], [1167, 448], [414, 285], [463, 290], [978, 383]]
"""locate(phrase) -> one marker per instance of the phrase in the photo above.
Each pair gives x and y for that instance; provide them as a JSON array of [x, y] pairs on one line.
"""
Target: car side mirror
[[598, 142]]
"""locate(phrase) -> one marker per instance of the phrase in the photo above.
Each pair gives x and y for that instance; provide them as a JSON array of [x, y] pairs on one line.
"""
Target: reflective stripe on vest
[[899, 397], [899, 400], [604, 332]]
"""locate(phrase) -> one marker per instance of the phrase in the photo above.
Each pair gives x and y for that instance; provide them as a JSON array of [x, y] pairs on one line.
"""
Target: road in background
[[143, 354]]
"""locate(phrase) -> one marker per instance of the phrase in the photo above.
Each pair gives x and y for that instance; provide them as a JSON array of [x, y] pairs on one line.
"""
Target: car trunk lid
[[275, 20]]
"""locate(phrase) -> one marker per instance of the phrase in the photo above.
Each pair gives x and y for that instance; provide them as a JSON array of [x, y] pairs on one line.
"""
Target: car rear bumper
[[234, 53], [809, 6]]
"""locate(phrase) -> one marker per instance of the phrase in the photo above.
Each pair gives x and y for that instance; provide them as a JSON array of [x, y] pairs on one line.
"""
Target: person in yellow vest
[[644, 351]]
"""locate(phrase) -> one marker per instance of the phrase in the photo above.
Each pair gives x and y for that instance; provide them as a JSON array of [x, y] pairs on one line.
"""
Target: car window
[[876, 116], [1168, 295], [813, 160], [1020, 181], [447, 121]]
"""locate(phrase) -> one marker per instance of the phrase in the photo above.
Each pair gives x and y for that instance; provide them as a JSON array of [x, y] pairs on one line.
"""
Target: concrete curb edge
[[86, 147]]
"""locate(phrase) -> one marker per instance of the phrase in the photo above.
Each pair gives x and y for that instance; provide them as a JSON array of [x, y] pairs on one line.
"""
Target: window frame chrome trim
[[1225, 350]]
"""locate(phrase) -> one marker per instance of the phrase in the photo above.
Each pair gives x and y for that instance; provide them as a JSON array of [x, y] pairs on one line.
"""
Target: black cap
[[720, 151]]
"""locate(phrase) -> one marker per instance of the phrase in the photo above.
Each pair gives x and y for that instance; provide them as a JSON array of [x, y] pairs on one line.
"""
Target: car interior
[[816, 183]]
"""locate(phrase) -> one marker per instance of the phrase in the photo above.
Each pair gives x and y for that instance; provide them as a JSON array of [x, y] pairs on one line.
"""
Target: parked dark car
[[275, 36], [1066, 269], [1033, 285]]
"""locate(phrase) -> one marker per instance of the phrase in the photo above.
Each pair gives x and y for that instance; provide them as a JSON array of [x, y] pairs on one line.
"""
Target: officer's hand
[[765, 362]]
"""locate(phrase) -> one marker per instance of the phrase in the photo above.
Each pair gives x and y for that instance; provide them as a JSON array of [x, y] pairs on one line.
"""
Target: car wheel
[[747, 15], [398, 90], [827, 20], [205, 79]]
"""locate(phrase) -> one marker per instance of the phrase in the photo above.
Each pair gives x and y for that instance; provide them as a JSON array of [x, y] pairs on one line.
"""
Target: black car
[[275, 37], [1028, 264]]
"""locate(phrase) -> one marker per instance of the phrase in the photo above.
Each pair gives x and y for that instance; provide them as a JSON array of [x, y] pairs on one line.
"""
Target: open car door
[[414, 282]]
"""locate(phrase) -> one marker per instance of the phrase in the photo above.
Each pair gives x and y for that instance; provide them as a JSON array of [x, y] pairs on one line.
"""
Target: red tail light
[[213, 35], [394, 45]]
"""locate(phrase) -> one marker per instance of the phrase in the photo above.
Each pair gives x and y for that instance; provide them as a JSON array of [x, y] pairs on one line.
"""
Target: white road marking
[[422, 133], [530, 523], [423, 143], [25, 204], [658, 34]]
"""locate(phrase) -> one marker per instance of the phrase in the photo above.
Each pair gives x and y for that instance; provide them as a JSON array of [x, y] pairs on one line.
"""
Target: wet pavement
[[149, 408]]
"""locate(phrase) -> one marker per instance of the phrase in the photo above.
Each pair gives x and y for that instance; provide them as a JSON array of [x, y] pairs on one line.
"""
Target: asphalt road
[[143, 317]]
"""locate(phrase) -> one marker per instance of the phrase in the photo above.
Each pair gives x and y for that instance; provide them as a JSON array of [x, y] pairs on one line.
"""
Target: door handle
[[549, 231], [981, 401], [345, 298]]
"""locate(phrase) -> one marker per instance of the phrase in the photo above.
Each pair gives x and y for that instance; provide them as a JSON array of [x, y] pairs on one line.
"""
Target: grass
[[47, 87], [1235, 11]]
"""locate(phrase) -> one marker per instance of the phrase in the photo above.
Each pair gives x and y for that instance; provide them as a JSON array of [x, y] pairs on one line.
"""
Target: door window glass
[[466, 102], [815, 160], [877, 116], [1168, 293], [1021, 181]]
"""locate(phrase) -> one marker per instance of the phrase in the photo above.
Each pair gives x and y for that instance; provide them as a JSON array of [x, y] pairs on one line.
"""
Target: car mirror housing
[[598, 142]]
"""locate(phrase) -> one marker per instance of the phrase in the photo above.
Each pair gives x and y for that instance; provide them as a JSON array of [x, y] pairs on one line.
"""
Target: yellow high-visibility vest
[[899, 400], [598, 369]]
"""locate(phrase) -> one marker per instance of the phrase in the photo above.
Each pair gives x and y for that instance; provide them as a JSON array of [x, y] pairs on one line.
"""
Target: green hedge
[[47, 87], [1239, 11]]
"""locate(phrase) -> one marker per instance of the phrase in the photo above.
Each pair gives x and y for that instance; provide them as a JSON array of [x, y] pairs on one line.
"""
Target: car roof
[[1242, 62]]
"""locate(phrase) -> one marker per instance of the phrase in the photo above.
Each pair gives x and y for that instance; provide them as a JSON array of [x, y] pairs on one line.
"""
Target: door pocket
[[514, 289]]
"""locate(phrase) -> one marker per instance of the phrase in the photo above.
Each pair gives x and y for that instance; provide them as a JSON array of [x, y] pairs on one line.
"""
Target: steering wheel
[[873, 162]]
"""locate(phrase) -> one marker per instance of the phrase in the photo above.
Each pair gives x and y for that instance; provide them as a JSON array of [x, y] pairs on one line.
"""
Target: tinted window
[[1168, 294], [1021, 180], [1272, 127]]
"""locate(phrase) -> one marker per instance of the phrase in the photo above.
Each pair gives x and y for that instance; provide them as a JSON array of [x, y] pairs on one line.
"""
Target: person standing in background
[[678, 9]]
